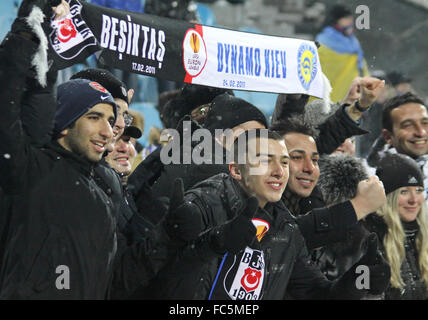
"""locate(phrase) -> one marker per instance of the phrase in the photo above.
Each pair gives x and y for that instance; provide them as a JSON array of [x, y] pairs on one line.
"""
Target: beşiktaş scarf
[[240, 276], [184, 52]]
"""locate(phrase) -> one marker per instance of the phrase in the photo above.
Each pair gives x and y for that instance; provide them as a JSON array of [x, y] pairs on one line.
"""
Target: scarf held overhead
[[184, 52]]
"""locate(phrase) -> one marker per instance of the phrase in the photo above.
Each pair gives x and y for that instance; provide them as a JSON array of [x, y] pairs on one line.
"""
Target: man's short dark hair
[[295, 124], [396, 102], [249, 134]]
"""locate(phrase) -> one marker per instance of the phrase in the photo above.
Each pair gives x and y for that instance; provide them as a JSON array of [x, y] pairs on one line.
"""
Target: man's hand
[[364, 91], [183, 221], [353, 93], [238, 233], [21, 27], [61, 10], [370, 88], [370, 196], [130, 95]]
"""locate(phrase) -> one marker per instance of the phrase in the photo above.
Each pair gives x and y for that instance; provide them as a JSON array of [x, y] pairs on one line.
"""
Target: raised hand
[[183, 221], [370, 196], [238, 233]]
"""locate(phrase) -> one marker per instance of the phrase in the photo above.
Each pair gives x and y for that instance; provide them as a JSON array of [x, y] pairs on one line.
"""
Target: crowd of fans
[[315, 222]]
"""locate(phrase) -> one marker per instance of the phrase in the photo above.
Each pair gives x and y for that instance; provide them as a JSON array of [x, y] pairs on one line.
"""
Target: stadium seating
[[151, 118]]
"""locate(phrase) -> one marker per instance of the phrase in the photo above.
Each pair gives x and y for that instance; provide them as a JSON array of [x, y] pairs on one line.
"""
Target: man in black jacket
[[330, 223], [275, 264], [59, 229], [17, 68], [48, 224], [61, 239], [122, 148]]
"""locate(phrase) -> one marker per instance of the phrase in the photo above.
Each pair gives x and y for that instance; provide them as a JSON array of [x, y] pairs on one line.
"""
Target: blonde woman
[[402, 227]]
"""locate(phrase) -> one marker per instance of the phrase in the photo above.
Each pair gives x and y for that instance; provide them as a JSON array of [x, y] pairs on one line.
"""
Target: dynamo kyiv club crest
[[307, 65]]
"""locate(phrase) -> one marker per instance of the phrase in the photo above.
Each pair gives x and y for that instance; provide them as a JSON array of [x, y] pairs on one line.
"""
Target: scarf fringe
[[40, 58]]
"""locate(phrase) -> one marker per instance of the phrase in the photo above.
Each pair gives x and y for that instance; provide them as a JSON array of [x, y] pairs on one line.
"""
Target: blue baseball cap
[[75, 98]]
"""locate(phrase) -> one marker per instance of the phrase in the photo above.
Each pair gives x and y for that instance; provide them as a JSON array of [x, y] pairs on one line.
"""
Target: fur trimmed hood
[[339, 177], [316, 112]]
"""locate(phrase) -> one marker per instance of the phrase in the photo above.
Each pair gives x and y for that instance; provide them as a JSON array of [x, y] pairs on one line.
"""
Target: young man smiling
[[62, 217], [88, 136], [59, 205], [330, 224], [405, 125], [267, 262], [265, 171], [405, 131]]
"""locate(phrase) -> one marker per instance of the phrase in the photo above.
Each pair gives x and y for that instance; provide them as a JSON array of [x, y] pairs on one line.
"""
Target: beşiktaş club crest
[[71, 35], [249, 273]]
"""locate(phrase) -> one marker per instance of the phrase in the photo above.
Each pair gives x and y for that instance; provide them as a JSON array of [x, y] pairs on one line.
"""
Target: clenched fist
[[370, 197], [369, 88]]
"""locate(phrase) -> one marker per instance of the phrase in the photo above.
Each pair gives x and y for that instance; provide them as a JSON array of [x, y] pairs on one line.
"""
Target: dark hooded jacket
[[16, 70], [59, 214], [338, 182], [320, 225]]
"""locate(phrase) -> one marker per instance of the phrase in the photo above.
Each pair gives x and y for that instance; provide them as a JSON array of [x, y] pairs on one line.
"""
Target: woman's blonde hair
[[395, 237]]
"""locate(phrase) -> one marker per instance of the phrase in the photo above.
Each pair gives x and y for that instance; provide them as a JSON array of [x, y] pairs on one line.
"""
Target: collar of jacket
[[235, 195], [82, 164], [410, 228], [375, 223], [421, 160], [291, 201]]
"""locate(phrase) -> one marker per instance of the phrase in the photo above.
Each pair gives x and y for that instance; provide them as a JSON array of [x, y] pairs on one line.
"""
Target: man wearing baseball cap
[[121, 159]]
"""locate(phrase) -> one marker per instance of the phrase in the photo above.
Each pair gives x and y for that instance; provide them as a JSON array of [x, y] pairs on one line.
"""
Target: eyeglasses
[[128, 119]]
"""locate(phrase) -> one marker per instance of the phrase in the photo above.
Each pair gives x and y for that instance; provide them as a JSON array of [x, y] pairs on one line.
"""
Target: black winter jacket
[[414, 287], [321, 227], [60, 211], [285, 270], [61, 217], [335, 130], [319, 224]]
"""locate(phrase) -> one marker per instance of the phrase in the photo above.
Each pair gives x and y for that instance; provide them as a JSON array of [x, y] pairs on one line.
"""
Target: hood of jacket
[[339, 177]]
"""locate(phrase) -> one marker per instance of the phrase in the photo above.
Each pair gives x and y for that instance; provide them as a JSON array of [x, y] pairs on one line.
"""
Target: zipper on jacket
[[266, 282]]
